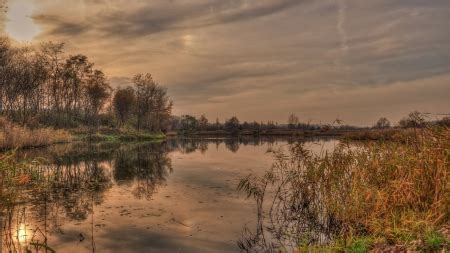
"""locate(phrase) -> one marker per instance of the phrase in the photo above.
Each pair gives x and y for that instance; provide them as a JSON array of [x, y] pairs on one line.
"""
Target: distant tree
[[382, 123], [292, 121], [203, 122], [232, 125], [415, 119], [124, 102], [217, 126], [270, 124], [444, 121], [256, 126], [188, 123]]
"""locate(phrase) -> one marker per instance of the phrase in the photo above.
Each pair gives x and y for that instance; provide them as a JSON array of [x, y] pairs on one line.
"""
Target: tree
[[188, 123], [445, 121], [232, 125], [154, 106], [51, 54], [97, 92], [77, 71], [292, 121], [124, 102], [382, 123], [415, 119], [203, 122]]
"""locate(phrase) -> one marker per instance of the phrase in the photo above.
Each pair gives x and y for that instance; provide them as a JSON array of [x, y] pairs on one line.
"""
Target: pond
[[178, 195]]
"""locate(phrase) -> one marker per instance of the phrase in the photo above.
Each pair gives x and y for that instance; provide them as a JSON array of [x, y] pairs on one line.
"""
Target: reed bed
[[14, 136], [379, 195]]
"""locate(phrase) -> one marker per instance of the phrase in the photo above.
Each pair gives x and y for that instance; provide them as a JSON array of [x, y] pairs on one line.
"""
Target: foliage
[[43, 86], [153, 105], [124, 102], [232, 125]]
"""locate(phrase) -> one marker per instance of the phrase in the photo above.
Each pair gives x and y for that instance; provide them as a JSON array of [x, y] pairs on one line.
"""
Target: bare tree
[[415, 119], [382, 123], [293, 121]]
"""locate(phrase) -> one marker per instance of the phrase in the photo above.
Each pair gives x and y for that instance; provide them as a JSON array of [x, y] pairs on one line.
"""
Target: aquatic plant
[[394, 192]]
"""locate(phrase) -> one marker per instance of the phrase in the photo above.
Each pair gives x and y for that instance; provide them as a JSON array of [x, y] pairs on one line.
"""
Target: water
[[176, 196]]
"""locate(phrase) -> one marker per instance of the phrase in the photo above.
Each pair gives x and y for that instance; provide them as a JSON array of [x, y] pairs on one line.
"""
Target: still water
[[175, 196]]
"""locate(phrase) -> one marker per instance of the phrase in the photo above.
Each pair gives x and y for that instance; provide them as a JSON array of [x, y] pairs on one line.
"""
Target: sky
[[261, 59]]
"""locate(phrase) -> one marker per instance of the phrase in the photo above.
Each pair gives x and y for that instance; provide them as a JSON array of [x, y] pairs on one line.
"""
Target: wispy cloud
[[342, 9], [271, 57]]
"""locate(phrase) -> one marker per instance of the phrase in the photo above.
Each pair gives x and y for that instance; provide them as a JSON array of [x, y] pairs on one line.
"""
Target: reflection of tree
[[144, 166], [232, 145], [73, 186], [75, 177]]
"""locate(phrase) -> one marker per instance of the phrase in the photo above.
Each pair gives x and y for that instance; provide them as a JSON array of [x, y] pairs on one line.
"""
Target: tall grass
[[393, 193], [14, 136]]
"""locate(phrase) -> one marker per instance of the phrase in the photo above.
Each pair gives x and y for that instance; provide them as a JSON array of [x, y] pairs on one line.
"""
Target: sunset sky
[[261, 59]]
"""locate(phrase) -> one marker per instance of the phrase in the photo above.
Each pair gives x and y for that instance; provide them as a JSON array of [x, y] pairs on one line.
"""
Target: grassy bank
[[14, 136], [376, 195], [116, 135]]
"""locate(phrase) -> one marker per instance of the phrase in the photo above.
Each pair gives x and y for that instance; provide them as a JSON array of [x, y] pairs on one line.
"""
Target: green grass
[[434, 240], [360, 245], [126, 135]]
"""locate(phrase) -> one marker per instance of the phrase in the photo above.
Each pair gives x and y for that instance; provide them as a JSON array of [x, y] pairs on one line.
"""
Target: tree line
[[44, 86], [189, 124]]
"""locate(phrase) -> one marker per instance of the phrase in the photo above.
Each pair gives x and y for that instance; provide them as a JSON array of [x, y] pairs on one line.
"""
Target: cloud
[[127, 19], [340, 26], [263, 59]]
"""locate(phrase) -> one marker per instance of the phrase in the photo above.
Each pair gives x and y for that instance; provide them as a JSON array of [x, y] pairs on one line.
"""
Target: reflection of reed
[[291, 204]]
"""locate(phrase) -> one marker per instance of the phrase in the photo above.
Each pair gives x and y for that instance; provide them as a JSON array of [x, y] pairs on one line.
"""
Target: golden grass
[[14, 136], [395, 191]]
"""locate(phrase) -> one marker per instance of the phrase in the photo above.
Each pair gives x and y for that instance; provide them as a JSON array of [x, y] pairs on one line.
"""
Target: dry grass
[[397, 135], [14, 136], [396, 192]]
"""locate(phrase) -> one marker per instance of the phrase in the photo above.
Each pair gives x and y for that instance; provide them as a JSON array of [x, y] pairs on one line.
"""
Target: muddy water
[[174, 196]]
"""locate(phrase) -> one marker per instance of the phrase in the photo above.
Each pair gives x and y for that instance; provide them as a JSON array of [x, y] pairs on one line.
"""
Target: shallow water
[[175, 196]]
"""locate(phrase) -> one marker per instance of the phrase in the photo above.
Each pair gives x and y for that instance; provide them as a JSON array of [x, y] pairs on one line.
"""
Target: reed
[[394, 192], [14, 136]]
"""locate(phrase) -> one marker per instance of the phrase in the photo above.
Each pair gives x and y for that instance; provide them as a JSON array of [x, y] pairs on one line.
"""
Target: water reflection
[[73, 179]]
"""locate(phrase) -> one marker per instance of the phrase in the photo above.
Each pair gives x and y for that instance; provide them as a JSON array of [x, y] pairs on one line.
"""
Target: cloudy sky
[[261, 59]]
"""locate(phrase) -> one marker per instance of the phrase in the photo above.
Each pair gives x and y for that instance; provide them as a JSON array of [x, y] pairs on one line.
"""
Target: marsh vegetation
[[377, 195]]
